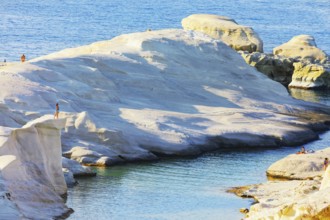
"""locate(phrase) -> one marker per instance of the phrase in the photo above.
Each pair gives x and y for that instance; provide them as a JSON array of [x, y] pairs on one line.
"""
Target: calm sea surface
[[176, 189], [41, 27], [170, 188]]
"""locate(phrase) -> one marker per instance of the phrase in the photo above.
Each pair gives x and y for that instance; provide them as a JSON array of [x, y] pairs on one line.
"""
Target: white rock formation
[[157, 92], [237, 36], [289, 200], [31, 169], [76, 169], [301, 46], [8, 208], [299, 166], [326, 179], [72, 169]]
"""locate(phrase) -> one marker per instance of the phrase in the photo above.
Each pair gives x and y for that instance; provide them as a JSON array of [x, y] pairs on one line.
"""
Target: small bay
[[185, 188]]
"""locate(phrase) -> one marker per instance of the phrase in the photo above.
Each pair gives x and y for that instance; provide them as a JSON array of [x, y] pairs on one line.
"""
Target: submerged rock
[[236, 36]]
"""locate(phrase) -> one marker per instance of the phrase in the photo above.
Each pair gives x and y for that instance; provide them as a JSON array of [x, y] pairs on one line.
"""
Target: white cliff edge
[[31, 169]]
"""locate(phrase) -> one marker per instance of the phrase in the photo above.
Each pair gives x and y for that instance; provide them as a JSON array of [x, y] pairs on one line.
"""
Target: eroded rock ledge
[[296, 199]]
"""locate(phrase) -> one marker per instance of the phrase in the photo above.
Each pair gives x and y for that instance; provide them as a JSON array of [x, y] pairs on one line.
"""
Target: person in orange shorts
[[23, 58]]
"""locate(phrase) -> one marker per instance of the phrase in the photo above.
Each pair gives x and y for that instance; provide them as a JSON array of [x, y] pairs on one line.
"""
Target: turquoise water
[[176, 188], [41, 27], [182, 188]]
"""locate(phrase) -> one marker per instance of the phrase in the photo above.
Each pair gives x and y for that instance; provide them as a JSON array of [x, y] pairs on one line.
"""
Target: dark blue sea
[[38, 28]]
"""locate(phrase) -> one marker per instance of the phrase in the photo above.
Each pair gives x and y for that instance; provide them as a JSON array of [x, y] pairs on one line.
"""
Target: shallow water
[[193, 188], [176, 188]]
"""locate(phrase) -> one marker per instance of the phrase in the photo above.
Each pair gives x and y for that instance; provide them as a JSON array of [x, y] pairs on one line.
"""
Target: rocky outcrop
[[72, 169], [31, 168], [299, 166], [311, 75], [277, 68], [296, 64], [295, 199], [301, 47], [76, 168], [289, 200], [237, 36]]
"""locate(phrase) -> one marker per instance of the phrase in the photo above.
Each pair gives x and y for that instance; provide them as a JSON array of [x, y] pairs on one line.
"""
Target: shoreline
[[292, 194]]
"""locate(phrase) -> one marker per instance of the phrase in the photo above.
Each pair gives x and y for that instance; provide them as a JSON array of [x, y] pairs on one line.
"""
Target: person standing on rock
[[57, 111], [325, 163], [23, 58]]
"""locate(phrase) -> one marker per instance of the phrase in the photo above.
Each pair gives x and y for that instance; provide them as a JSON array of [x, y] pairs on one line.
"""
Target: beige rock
[[310, 75], [301, 46], [237, 36]]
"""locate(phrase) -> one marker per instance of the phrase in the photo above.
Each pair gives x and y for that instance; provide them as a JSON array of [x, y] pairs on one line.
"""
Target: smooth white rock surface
[[157, 92], [31, 169], [326, 179]]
